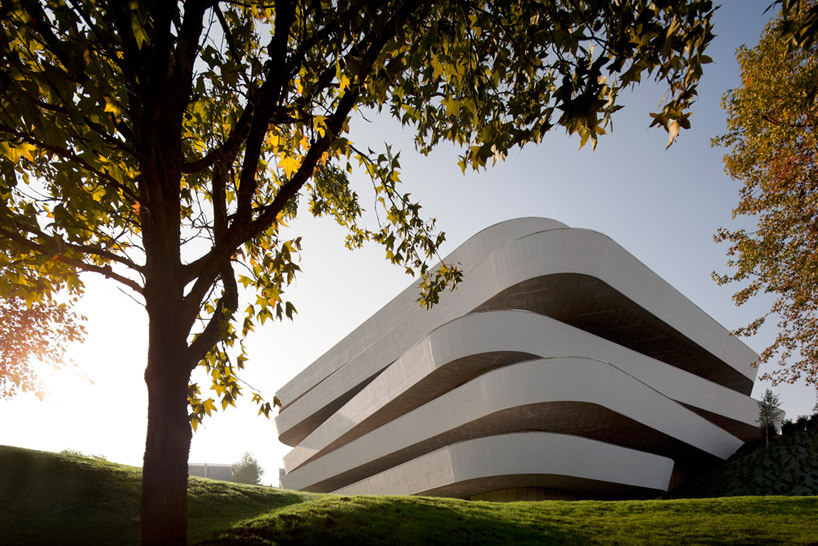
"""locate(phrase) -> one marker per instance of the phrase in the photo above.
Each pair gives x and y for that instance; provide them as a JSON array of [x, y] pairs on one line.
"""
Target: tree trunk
[[164, 471]]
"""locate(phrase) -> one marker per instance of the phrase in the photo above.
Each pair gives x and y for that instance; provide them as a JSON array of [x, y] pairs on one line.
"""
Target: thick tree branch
[[264, 98], [230, 146], [79, 264], [104, 178], [187, 47], [225, 308], [206, 269], [40, 24], [240, 130], [86, 249], [105, 39], [160, 47], [131, 63], [270, 95], [334, 125], [93, 125]]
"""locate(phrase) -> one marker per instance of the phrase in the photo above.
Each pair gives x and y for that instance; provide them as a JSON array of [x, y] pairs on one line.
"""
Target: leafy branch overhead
[[246, 106]]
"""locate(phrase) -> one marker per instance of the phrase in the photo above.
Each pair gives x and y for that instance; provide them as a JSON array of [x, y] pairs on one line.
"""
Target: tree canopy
[[162, 144], [773, 147]]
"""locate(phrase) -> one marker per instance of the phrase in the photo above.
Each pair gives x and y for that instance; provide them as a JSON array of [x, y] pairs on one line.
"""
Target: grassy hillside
[[48, 498], [369, 520], [788, 467], [54, 498]]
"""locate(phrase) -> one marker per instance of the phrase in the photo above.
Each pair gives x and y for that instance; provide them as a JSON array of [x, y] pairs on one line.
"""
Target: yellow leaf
[[672, 132], [273, 140], [14, 153], [9, 152], [344, 83], [26, 150], [111, 106], [290, 164], [437, 67], [452, 106]]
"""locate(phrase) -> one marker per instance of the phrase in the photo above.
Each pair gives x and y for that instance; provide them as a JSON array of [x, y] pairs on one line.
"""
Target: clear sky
[[662, 206]]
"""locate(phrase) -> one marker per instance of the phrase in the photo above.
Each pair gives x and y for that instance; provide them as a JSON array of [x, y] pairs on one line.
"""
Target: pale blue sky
[[662, 206]]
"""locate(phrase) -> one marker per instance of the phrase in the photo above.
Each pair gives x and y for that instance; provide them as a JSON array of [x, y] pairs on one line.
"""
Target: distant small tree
[[247, 470], [768, 409], [77, 453], [801, 423], [812, 423]]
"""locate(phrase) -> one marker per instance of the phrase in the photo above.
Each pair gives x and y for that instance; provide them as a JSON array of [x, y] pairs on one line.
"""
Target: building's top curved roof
[[468, 255]]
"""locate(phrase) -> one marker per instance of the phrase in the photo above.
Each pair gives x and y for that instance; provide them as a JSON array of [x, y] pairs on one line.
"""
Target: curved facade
[[561, 367]]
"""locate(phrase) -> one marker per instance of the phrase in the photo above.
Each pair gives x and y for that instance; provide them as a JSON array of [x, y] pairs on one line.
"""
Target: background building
[[222, 472]]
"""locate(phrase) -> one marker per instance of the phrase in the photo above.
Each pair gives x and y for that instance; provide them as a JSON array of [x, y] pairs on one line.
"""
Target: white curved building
[[561, 367]]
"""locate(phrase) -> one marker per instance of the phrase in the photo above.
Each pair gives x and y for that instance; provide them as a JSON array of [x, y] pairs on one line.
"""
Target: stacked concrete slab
[[561, 367]]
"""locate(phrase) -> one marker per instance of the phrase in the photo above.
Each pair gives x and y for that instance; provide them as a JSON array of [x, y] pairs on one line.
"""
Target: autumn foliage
[[773, 147], [39, 334]]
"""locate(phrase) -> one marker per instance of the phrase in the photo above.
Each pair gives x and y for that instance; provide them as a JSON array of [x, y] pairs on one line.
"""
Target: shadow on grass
[[214, 505], [48, 498], [393, 520]]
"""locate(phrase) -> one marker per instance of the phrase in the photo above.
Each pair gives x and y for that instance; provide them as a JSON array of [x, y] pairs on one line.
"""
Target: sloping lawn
[[423, 520], [48, 498]]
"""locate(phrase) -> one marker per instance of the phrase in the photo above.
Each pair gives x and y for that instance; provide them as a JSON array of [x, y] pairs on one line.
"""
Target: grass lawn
[[422, 520], [48, 498]]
